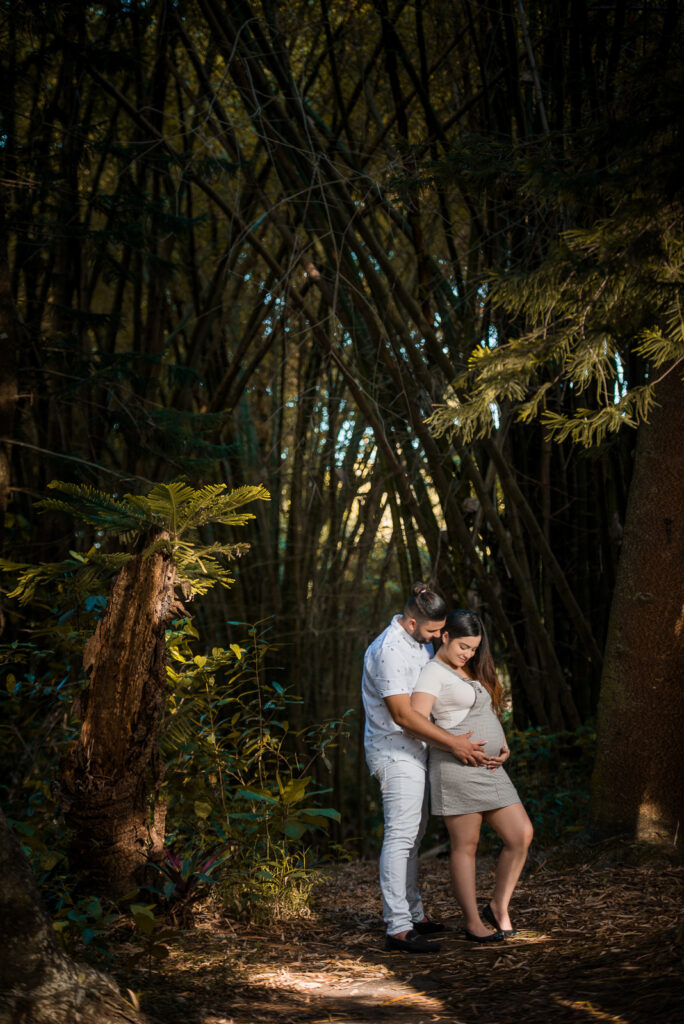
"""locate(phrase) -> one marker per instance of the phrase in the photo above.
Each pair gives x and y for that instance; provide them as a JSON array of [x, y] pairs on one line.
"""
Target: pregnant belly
[[485, 726]]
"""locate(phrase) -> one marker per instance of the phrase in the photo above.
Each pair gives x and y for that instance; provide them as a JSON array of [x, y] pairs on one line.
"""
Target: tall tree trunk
[[110, 775], [638, 786], [9, 347], [38, 983]]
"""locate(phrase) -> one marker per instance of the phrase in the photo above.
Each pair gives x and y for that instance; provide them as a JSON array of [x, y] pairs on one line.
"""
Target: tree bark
[[9, 347], [38, 983], [637, 787], [110, 775]]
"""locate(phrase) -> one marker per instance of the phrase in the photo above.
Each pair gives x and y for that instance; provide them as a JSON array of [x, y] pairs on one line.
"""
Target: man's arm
[[399, 707]]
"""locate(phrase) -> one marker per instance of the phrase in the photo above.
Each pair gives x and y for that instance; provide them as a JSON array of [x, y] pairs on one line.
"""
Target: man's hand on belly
[[467, 751], [417, 724]]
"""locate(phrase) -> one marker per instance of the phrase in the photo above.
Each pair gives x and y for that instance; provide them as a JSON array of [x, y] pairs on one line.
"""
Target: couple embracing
[[451, 703]]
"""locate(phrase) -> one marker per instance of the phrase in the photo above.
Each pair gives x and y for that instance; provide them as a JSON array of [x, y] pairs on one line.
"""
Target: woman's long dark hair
[[462, 622]]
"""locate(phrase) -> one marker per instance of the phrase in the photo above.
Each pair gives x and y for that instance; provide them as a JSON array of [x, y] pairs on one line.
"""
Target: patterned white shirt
[[391, 665]]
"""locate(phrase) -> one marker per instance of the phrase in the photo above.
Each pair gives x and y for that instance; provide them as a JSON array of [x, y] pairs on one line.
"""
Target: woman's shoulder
[[432, 675], [442, 668], [433, 667], [437, 671]]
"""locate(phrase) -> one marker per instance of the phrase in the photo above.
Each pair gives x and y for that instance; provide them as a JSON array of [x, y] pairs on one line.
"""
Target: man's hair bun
[[425, 604]]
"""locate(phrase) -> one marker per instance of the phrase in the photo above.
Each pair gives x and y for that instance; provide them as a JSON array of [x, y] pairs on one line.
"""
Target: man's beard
[[420, 636]]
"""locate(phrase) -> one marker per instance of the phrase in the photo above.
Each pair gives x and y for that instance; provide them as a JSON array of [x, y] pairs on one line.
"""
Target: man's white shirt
[[391, 666]]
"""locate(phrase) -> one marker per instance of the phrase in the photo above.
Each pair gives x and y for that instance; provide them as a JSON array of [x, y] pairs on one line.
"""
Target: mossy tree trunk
[[111, 774], [38, 983], [638, 786]]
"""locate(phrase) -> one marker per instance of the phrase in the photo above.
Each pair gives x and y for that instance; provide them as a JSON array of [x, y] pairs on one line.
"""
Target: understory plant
[[552, 774], [242, 783], [245, 807], [239, 782]]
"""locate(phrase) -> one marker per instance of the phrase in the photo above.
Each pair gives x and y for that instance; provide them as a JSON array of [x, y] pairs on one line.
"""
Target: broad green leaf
[[326, 812], [256, 794], [295, 790]]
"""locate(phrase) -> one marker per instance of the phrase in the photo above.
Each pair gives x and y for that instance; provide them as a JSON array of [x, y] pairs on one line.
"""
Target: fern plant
[[168, 518], [587, 312], [605, 299]]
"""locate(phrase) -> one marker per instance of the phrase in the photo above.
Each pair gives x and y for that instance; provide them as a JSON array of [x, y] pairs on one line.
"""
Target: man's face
[[425, 632]]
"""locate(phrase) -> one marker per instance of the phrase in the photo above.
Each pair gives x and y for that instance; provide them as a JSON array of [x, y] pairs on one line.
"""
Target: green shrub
[[242, 801], [239, 780], [552, 773]]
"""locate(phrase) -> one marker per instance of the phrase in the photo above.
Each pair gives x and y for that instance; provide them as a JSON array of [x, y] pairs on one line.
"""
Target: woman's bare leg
[[464, 835], [514, 828]]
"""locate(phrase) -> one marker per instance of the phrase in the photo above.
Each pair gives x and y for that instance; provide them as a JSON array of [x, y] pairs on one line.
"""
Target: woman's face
[[459, 649]]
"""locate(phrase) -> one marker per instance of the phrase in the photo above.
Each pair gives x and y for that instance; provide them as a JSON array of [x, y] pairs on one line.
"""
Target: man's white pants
[[405, 809]]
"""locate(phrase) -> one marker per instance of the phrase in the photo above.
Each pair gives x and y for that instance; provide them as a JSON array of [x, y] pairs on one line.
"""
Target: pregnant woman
[[461, 691]]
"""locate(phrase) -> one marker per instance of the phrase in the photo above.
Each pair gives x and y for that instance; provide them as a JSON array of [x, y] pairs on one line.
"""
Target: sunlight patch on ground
[[344, 992], [590, 1010], [375, 987]]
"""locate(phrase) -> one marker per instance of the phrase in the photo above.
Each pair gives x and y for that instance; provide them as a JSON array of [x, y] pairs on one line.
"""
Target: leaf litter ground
[[597, 943]]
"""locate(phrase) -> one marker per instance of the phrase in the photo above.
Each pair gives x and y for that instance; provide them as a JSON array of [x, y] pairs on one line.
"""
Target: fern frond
[[216, 506], [94, 507], [201, 501], [32, 577], [112, 562], [6, 565], [604, 300], [179, 507], [163, 503], [174, 509], [181, 729]]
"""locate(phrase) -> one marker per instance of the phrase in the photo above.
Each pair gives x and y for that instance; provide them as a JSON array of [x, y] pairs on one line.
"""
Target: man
[[397, 757]]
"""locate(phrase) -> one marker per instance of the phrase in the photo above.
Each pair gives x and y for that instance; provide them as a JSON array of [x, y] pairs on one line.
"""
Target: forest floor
[[597, 943]]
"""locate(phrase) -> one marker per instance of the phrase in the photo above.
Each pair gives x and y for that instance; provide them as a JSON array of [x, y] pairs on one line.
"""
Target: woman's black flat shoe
[[492, 937], [488, 915]]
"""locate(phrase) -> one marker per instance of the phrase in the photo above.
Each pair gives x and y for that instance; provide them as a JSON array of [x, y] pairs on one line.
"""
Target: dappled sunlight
[[337, 984], [589, 1011], [596, 943]]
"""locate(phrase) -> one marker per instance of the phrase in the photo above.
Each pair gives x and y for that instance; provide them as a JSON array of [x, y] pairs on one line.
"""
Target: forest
[[302, 301]]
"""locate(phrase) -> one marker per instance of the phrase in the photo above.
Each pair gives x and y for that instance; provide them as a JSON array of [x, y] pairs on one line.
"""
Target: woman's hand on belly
[[496, 762]]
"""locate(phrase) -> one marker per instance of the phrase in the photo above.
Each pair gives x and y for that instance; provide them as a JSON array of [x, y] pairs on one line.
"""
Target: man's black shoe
[[428, 927], [413, 943]]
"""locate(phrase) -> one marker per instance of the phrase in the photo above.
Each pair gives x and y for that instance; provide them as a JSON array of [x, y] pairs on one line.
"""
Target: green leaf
[[145, 923], [326, 812], [143, 916], [295, 790], [257, 794], [294, 829], [315, 820]]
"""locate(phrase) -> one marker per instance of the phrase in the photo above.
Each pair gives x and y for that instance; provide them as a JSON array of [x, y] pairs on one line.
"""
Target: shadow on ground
[[595, 945]]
